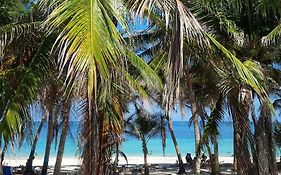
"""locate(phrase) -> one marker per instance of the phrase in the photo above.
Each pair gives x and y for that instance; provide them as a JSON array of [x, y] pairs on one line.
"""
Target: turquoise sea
[[131, 146]]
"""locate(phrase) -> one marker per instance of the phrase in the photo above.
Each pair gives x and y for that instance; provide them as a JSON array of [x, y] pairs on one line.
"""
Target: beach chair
[[7, 170]]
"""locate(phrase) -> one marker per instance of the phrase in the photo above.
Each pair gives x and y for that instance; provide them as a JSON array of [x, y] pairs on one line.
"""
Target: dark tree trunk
[[197, 142], [116, 161], [241, 127], [266, 161], [28, 167], [3, 154], [90, 141], [2, 158], [215, 158], [145, 153], [181, 165], [242, 153], [48, 144], [65, 126], [193, 103]]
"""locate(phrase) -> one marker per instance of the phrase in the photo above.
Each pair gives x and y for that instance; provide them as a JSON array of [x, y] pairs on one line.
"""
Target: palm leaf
[[247, 73], [26, 91], [10, 32], [272, 37], [216, 116]]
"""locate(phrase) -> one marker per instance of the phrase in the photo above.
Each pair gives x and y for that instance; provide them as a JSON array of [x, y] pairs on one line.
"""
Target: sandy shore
[[131, 160], [158, 165], [164, 160]]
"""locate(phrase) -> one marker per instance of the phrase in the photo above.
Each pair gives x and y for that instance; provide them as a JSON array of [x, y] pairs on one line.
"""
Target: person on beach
[[203, 159], [188, 158]]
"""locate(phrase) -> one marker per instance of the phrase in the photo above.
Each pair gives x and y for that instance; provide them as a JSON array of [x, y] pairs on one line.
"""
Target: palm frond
[[272, 37], [147, 73], [124, 155], [10, 32], [89, 41], [26, 90], [216, 116], [248, 73]]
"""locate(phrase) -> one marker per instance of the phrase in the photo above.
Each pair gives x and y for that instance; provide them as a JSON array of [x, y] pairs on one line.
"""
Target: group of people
[[189, 160]]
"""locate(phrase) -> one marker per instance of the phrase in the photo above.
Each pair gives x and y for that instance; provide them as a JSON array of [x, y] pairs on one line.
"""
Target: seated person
[[188, 158], [203, 159]]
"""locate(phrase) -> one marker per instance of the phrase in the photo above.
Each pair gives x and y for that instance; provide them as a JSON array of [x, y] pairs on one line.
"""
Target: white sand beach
[[134, 160], [158, 165]]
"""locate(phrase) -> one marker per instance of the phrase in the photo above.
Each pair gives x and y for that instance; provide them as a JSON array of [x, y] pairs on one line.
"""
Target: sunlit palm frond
[[272, 37], [147, 73], [89, 41], [215, 14], [10, 32], [185, 28], [247, 72]]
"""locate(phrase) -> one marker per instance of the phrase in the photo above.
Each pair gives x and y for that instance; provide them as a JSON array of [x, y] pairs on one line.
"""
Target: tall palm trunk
[[197, 142], [48, 144], [266, 160], [91, 141], [65, 126], [241, 124], [215, 157], [28, 167], [195, 121], [170, 125], [145, 153], [2, 157], [116, 161], [1, 169]]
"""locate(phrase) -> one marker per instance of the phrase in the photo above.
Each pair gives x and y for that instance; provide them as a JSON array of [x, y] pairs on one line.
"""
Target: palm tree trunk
[[145, 153], [195, 121], [241, 149], [2, 158], [1, 169], [181, 165], [116, 161], [215, 162], [234, 149], [266, 161], [28, 167], [197, 142], [241, 101], [65, 126], [48, 144]]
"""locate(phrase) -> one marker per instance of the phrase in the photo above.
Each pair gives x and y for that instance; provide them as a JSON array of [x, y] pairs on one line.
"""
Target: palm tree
[[28, 167], [24, 57], [143, 127], [53, 107], [95, 53], [64, 130], [183, 23], [171, 130], [240, 27]]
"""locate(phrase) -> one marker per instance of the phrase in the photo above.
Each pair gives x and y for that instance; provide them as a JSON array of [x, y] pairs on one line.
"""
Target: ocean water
[[132, 147]]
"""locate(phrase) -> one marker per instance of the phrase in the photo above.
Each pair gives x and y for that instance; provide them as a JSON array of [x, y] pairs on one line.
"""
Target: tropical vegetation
[[213, 57]]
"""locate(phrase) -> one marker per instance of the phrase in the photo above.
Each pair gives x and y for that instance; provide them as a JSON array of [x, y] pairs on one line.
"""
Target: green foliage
[[143, 126], [216, 116], [16, 101]]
